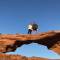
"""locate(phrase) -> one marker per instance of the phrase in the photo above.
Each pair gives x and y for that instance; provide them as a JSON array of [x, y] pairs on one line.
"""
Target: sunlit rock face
[[19, 57], [9, 42]]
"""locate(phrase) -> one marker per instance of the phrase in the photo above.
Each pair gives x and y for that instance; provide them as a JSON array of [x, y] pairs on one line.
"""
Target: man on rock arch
[[32, 27]]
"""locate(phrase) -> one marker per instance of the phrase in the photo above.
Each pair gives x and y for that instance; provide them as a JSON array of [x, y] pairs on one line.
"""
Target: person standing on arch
[[32, 27], [29, 28]]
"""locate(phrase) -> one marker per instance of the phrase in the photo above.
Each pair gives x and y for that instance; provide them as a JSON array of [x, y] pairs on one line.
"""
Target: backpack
[[34, 26]]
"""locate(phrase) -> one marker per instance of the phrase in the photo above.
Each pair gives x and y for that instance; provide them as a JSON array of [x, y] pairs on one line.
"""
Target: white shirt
[[30, 26]]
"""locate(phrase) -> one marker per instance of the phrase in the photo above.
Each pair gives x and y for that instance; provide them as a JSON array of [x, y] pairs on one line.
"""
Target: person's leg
[[29, 31]]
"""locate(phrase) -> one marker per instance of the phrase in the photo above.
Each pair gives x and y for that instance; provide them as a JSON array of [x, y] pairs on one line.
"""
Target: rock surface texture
[[19, 57], [10, 42]]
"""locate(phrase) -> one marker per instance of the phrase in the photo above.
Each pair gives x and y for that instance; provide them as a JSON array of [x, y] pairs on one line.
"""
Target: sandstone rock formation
[[19, 57], [9, 42]]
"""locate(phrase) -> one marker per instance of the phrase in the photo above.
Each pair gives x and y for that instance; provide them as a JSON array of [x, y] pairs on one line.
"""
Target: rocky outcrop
[[9, 42], [19, 57]]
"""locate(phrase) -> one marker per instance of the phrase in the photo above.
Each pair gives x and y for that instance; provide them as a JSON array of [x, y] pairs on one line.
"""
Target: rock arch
[[9, 42]]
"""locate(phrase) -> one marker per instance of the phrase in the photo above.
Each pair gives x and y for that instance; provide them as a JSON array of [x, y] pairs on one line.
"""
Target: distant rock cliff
[[10, 42]]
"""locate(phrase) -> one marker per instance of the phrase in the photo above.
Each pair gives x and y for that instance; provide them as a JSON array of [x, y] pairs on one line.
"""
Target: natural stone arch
[[9, 42]]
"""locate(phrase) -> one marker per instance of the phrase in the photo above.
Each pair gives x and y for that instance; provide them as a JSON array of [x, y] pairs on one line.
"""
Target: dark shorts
[[29, 31]]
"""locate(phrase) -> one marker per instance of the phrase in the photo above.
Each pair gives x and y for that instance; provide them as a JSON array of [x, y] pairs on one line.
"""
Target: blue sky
[[15, 15]]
